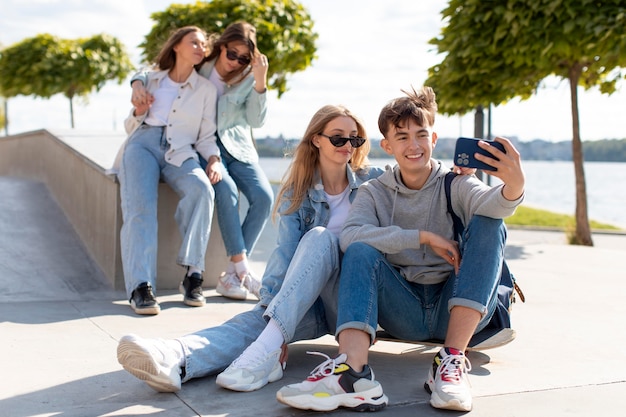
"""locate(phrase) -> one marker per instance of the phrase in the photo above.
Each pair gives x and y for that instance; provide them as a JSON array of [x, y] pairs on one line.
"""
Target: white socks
[[271, 337], [177, 347], [268, 341], [242, 267]]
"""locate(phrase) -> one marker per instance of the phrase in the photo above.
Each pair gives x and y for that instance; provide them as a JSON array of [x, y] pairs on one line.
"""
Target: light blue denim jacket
[[239, 109], [313, 212]]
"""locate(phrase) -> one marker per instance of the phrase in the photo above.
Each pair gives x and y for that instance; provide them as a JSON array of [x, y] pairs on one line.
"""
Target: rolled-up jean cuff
[[358, 326], [464, 302]]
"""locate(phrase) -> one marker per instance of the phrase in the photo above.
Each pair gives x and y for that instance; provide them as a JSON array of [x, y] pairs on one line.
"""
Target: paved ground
[[60, 322]]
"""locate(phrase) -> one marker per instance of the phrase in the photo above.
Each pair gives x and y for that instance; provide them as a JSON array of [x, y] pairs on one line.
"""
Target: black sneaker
[[191, 288], [143, 301]]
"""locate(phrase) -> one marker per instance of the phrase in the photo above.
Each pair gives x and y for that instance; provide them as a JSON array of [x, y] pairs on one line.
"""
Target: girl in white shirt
[[166, 134]]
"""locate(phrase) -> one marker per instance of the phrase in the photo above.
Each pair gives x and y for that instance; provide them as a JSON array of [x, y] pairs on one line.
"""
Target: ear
[[384, 143], [434, 138]]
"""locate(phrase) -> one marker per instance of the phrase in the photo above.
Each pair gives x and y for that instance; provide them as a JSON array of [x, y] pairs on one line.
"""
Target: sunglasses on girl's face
[[338, 141], [242, 59]]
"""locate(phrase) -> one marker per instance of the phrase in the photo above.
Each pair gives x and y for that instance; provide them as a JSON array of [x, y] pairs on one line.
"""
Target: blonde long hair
[[301, 173]]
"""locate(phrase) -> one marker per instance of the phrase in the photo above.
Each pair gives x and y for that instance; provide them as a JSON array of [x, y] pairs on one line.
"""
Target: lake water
[[549, 185]]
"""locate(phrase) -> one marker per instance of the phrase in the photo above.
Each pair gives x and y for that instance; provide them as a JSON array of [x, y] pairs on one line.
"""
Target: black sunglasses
[[232, 55], [338, 141]]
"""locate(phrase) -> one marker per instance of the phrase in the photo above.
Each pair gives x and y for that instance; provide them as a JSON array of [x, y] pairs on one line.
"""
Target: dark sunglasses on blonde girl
[[339, 141]]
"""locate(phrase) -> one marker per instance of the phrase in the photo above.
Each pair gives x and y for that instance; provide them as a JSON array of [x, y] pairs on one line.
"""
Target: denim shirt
[[313, 212], [239, 109]]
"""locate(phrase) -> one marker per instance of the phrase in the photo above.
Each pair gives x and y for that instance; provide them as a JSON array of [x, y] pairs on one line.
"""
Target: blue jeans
[[373, 292], [253, 183], [304, 308], [143, 165]]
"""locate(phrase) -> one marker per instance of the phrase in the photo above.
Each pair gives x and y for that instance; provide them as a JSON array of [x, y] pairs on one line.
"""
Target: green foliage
[[533, 217], [46, 65], [284, 31], [496, 50]]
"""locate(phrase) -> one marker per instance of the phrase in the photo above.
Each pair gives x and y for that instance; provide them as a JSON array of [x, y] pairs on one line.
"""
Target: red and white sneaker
[[335, 384], [447, 381]]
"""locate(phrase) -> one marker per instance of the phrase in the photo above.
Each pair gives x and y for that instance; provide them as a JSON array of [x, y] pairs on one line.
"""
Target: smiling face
[[412, 147]]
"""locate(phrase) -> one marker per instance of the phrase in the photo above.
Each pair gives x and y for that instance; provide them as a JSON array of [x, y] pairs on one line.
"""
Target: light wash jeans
[[305, 308], [251, 180], [142, 166], [373, 292]]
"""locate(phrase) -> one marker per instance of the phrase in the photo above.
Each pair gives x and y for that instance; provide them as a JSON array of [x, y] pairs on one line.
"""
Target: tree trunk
[[72, 112], [583, 230]]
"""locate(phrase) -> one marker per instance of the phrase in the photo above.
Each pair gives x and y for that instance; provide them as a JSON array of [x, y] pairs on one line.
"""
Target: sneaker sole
[[226, 382], [222, 291], [454, 404], [370, 400], [146, 311], [438, 402], [138, 362], [189, 301]]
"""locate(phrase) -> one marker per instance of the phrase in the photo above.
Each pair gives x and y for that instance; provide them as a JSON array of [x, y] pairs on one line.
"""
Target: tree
[[46, 65], [284, 31], [495, 51]]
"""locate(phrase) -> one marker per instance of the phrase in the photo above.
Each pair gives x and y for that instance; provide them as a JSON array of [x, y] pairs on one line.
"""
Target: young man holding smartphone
[[403, 269]]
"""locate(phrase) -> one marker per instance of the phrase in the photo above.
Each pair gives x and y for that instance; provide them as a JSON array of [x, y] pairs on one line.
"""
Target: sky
[[368, 51]]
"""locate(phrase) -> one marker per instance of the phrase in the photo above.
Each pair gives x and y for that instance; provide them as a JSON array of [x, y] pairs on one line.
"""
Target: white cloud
[[367, 52]]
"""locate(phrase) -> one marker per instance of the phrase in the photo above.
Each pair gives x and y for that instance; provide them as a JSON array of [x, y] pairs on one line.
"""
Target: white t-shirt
[[164, 97], [339, 207], [217, 81]]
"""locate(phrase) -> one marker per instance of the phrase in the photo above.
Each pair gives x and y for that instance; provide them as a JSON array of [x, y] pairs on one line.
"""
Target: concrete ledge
[[73, 167]]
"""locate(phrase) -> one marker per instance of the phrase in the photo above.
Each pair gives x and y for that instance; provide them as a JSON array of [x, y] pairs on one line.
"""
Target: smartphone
[[466, 148]]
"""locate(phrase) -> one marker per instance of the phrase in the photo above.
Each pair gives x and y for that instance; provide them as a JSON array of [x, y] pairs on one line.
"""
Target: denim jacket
[[313, 212], [239, 109]]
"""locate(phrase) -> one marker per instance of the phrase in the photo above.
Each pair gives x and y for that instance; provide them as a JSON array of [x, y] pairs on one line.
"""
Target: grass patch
[[527, 216]]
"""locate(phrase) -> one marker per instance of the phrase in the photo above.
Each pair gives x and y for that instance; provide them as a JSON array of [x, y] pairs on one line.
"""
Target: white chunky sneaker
[[253, 284], [252, 370], [447, 381], [230, 286], [151, 360], [335, 384]]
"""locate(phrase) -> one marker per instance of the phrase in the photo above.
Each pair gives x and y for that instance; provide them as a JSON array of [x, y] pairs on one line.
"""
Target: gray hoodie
[[389, 216]]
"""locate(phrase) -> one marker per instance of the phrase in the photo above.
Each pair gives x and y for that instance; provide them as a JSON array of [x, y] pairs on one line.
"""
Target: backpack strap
[[456, 220]]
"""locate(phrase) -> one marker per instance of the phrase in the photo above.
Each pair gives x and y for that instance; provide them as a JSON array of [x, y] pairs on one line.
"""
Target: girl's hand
[[141, 98], [259, 71], [213, 170], [463, 170]]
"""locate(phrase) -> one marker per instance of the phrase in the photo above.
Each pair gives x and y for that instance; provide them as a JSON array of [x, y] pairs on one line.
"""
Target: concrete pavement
[[60, 322]]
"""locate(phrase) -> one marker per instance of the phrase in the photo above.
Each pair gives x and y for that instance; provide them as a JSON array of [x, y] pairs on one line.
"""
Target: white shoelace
[[327, 367], [452, 368]]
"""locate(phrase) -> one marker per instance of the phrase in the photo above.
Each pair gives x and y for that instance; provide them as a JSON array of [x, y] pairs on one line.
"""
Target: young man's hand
[[508, 167], [445, 248]]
